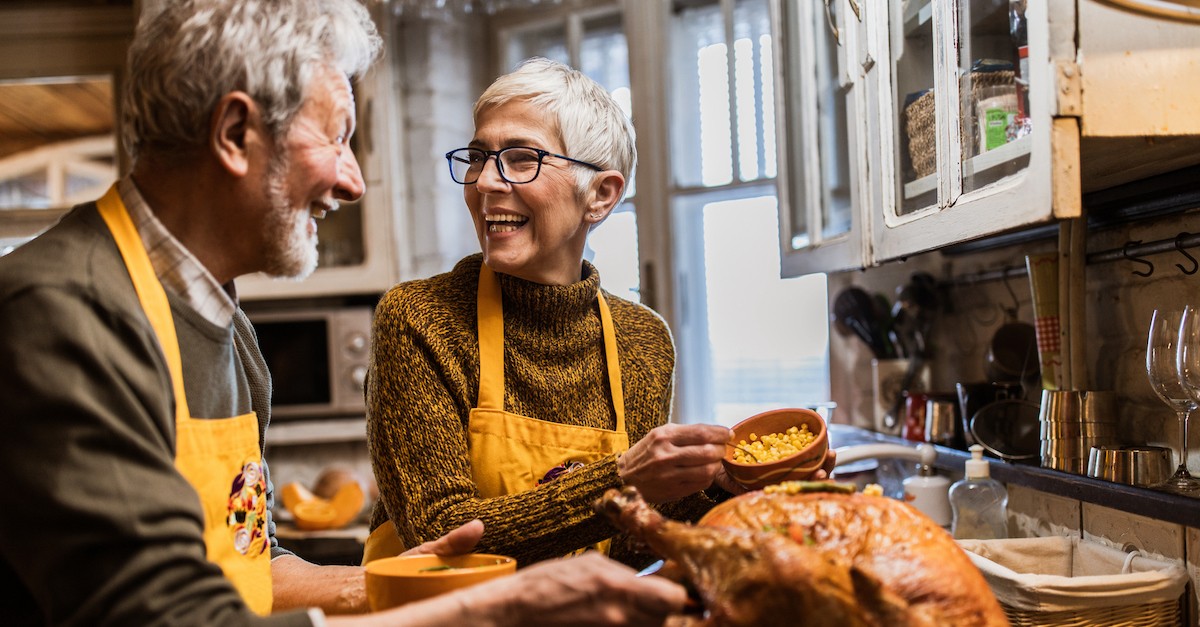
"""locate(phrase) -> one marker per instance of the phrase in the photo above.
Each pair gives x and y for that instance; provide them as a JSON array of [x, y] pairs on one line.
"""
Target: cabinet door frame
[[799, 179]]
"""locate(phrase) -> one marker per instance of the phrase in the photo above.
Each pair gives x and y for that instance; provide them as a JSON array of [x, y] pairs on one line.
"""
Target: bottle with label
[[979, 503]]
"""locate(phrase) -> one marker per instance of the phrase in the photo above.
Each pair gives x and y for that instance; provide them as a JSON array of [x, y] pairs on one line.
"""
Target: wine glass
[[1163, 369], [1187, 362]]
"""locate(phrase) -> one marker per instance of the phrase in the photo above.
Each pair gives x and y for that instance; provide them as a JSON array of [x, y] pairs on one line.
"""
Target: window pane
[[709, 143], [612, 247], [767, 337], [547, 41], [604, 56]]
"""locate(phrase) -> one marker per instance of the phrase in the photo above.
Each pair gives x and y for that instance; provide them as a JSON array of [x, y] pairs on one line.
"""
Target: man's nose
[[350, 185]]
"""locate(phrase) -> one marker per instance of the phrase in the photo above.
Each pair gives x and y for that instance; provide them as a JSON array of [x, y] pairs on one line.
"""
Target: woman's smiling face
[[537, 230]]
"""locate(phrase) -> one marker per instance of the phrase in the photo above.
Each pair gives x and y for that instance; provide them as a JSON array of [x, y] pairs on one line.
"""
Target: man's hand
[[588, 590], [457, 542]]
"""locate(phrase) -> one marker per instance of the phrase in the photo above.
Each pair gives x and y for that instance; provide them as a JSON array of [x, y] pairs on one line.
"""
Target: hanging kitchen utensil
[[1012, 354], [855, 309], [916, 306]]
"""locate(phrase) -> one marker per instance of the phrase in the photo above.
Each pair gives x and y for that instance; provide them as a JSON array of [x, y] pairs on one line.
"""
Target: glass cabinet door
[[965, 150], [913, 69], [993, 70], [820, 104]]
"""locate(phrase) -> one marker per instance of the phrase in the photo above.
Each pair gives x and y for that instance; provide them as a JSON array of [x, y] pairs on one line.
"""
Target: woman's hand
[[827, 465], [673, 461], [727, 483]]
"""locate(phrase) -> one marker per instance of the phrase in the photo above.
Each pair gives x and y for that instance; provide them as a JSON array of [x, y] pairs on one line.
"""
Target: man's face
[[312, 170]]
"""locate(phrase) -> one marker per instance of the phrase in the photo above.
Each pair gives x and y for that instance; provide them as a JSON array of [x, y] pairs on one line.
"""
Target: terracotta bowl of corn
[[776, 446]]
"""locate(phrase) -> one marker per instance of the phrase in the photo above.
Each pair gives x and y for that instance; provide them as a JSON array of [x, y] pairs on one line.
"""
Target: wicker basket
[[920, 124], [1059, 581]]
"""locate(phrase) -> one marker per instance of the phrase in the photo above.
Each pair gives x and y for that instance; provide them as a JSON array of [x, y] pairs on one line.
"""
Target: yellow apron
[[511, 453], [219, 457]]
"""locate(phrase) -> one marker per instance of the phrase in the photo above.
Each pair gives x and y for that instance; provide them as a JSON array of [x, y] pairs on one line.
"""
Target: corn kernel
[[774, 446]]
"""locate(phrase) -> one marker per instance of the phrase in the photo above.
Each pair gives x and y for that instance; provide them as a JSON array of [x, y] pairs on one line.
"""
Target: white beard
[[290, 250]]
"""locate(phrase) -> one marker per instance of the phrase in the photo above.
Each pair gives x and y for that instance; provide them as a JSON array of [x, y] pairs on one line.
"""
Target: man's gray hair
[[191, 53], [591, 124]]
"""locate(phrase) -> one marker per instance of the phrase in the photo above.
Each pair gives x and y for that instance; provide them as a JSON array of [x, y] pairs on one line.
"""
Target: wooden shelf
[[918, 18], [294, 432]]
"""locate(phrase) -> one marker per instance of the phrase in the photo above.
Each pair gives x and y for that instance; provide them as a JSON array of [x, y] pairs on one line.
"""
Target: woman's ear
[[235, 122], [607, 188]]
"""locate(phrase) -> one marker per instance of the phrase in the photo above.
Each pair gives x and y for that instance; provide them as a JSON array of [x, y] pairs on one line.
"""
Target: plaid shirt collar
[[178, 270]]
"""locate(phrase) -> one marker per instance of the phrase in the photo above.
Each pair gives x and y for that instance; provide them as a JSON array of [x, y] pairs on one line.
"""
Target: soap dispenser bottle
[[928, 491], [979, 503]]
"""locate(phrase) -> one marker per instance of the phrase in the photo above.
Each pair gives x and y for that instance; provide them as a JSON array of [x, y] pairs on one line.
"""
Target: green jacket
[[98, 528]]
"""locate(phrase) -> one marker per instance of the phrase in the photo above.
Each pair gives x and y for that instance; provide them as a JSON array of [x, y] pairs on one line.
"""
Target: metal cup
[[1072, 422], [941, 422], [1134, 465]]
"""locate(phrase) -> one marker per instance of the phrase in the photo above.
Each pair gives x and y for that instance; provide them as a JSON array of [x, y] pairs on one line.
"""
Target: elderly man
[[134, 392]]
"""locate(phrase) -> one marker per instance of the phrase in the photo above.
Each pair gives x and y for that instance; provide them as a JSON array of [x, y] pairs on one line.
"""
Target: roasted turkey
[[813, 559]]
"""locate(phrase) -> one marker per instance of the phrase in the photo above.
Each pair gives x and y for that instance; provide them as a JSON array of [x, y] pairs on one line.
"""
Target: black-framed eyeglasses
[[516, 164]]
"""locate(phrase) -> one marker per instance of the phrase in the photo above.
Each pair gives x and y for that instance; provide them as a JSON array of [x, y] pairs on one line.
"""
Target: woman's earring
[[594, 216]]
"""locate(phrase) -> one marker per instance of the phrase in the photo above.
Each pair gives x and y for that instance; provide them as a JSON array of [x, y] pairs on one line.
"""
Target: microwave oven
[[318, 360]]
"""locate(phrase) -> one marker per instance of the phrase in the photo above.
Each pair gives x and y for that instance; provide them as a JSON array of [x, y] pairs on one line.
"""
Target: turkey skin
[[813, 559]]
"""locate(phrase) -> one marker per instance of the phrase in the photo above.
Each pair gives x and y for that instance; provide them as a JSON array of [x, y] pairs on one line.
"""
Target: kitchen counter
[[1163, 506]]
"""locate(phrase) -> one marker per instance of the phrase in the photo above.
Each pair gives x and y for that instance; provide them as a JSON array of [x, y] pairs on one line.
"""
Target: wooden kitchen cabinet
[[928, 123]]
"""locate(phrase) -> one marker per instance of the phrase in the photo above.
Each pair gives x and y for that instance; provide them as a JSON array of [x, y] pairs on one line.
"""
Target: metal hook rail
[[1133, 250]]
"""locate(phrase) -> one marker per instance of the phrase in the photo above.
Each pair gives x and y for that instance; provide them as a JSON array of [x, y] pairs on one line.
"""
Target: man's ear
[[235, 122], [607, 187]]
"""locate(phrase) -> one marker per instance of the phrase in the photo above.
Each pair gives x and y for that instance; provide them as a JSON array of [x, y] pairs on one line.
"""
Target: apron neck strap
[[490, 312], [149, 290], [490, 309]]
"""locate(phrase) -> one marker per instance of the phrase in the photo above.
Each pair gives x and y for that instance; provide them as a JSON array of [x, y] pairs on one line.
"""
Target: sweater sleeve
[[420, 394], [99, 528]]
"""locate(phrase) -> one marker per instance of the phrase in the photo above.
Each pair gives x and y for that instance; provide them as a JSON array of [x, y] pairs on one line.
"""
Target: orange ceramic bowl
[[799, 466], [394, 581]]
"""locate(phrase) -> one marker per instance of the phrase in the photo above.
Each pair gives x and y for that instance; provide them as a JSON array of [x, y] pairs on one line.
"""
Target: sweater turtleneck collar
[[529, 303]]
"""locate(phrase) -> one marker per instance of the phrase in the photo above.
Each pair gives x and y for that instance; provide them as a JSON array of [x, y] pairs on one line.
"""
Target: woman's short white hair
[[591, 125], [188, 55]]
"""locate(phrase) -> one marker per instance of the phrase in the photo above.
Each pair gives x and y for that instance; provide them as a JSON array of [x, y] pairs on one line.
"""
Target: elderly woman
[[510, 388]]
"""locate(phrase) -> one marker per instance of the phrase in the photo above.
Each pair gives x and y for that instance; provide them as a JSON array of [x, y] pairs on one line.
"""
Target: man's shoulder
[[76, 254]]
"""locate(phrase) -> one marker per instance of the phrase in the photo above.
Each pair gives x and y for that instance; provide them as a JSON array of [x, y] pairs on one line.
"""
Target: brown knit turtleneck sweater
[[425, 380]]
